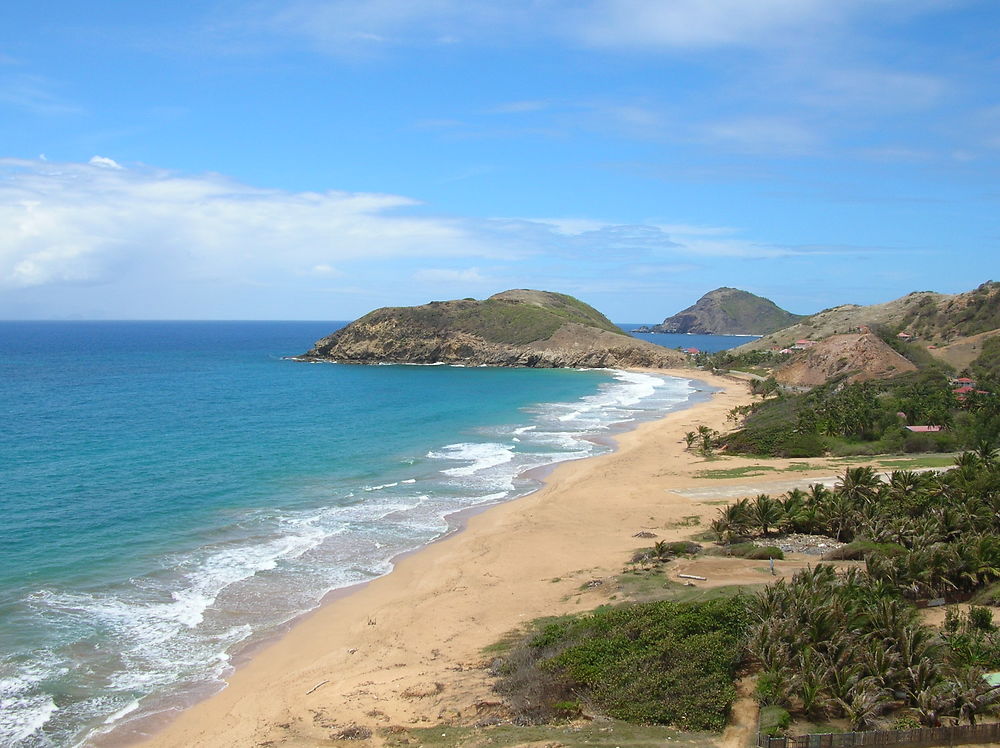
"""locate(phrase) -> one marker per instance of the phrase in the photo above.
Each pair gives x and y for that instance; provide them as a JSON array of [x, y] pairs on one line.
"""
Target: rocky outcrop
[[856, 358], [728, 311], [522, 328]]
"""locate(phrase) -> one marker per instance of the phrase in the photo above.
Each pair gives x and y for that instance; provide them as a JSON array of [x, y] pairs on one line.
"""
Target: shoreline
[[311, 659]]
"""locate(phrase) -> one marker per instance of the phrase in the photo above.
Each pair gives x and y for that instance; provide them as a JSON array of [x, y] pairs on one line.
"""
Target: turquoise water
[[173, 492]]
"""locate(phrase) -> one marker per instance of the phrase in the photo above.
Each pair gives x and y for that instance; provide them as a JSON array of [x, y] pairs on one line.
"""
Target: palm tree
[[866, 702], [985, 449], [931, 704], [765, 513], [733, 521], [973, 695], [858, 484]]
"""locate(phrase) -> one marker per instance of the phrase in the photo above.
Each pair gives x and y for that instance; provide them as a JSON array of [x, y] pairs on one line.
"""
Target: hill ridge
[[519, 327]]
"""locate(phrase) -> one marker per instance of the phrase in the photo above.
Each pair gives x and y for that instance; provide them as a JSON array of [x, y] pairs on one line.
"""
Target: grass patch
[[748, 471], [774, 720], [801, 466], [946, 460], [692, 520], [602, 735], [671, 663], [750, 551], [654, 585], [860, 549]]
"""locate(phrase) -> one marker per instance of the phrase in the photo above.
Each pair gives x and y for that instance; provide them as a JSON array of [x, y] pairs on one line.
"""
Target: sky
[[308, 159]]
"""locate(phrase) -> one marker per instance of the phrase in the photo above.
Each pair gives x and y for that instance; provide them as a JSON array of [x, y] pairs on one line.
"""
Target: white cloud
[[93, 222], [326, 270], [697, 23], [874, 91], [762, 135], [346, 26], [443, 275], [103, 161], [144, 242]]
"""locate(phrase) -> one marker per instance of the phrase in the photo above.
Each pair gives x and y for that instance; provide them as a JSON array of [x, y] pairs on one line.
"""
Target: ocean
[[175, 492]]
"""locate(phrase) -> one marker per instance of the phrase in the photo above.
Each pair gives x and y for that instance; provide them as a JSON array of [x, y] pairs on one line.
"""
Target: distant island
[[727, 311], [520, 327]]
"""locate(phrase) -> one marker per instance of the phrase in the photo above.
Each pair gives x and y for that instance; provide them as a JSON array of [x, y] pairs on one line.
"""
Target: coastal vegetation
[[840, 643], [867, 418], [850, 645], [846, 646], [663, 662]]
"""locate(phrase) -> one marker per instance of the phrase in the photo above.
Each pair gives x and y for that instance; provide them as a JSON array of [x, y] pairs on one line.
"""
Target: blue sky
[[298, 159]]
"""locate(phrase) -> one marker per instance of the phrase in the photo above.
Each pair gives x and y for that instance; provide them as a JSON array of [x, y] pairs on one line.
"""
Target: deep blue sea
[[172, 492]]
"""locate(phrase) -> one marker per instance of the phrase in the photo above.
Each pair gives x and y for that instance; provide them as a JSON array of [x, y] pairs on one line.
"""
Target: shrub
[[774, 720], [989, 596], [803, 445], [650, 663], [981, 619], [764, 553], [860, 549], [754, 552], [684, 548]]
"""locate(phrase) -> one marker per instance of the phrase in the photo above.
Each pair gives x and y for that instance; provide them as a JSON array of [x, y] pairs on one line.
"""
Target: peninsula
[[521, 327]]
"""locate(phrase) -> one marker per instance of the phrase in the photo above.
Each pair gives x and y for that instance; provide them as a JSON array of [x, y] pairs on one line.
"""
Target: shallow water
[[174, 492]]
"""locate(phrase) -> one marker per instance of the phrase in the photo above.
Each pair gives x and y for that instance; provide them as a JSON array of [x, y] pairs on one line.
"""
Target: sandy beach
[[406, 649]]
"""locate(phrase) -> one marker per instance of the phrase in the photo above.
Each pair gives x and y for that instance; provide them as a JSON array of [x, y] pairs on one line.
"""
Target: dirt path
[[743, 721]]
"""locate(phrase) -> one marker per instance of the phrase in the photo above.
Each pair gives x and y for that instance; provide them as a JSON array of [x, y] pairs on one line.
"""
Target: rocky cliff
[[514, 328], [728, 311]]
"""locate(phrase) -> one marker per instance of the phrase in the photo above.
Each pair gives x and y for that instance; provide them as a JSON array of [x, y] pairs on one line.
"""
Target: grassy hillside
[[756, 313], [514, 317], [951, 317]]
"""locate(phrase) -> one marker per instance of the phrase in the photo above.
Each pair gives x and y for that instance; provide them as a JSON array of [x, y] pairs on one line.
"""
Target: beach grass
[[747, 471], [919, 462], [603, 733], [900, 462]]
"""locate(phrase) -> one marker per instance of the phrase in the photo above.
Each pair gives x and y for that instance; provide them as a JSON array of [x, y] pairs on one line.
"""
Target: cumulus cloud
[[141, 241], [90, 222], [444, 275], [108, 163]]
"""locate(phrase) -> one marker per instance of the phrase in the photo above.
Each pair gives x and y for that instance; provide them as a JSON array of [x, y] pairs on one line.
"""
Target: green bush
[[803, 445], [764, 553], [989, 596], [754, 552], [860, 549], [774, 720], [684, 548], [650, 663]]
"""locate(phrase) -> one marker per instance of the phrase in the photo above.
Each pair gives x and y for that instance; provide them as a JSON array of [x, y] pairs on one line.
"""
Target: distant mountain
[[728, 311], [515, 328]]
